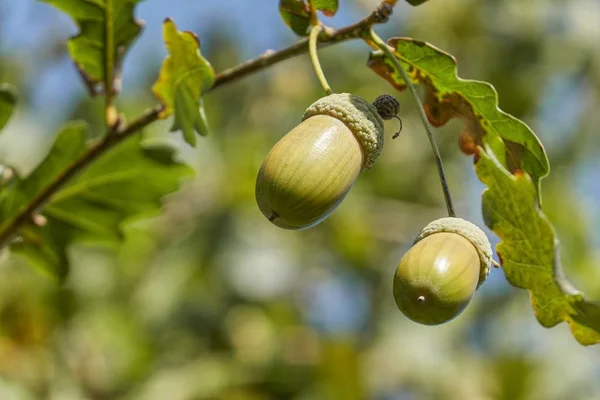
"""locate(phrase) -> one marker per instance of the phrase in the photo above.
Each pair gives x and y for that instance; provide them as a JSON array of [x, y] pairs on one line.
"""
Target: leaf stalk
[[314, 57], [110, 112], [421, 111]]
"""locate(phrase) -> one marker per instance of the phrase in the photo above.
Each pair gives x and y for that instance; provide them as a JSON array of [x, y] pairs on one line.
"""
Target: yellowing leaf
[[184, 76], [476, 103], [529, 251], [107, 28]]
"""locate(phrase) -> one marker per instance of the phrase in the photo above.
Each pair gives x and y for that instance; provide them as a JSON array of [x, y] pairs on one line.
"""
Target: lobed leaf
[[184, 76], [8, 100], [476, 103], [511, 166], [529, 250], [296, 13], [122, 184], [107, 28]]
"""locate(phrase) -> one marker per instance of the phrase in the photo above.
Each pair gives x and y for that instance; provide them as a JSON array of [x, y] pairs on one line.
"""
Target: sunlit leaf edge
[[533, 263], [182, 95]]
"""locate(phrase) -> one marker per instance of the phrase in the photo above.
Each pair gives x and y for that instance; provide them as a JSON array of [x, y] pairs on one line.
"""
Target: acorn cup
[[307, 174], [437, 277]]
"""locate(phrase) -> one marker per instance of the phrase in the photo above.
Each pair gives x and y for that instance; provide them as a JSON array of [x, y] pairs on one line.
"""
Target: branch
[[9, 228], [358, 30], [118, 133]]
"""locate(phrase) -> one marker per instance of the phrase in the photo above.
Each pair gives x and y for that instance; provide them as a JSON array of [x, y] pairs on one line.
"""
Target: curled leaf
[[184, 76], [476, 103], [296, 13]]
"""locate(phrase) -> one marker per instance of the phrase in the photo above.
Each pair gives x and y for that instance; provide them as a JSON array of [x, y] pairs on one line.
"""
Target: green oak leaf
[[122, 184], [107, 28], [447, 96], [528, 250], [296, 13], [184, 76], [416, 2], [8, 100]]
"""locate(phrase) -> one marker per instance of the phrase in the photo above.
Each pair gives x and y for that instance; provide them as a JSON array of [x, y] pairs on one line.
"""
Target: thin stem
[[436, 152], [314, 57], [110, 113], [117, 133]]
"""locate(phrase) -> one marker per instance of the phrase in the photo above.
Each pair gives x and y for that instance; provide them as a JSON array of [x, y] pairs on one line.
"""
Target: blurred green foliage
[[210, 301], [7, 103]]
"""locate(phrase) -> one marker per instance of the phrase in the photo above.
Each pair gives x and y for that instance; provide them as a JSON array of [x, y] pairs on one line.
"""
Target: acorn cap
[[470, 232], [359, 116]]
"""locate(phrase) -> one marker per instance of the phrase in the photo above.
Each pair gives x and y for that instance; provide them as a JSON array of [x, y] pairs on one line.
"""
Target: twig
[[355, 31], [436, 152], [117, 133]]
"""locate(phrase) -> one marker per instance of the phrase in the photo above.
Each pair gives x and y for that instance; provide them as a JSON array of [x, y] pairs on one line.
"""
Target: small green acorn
[[437, 277], [307, 174]]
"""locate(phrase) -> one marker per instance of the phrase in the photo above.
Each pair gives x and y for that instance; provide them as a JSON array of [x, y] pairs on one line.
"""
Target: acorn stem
[[312, 48], [399, 130], [436, 152]]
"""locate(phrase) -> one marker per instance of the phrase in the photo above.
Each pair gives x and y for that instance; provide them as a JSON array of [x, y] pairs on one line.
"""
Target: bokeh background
[[210, 301]]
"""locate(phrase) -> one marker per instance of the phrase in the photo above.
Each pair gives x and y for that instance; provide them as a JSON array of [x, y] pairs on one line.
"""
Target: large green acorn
[[307, 174], [437, 277]]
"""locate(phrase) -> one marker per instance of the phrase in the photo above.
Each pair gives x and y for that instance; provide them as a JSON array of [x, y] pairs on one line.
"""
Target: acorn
[[437, 277], [307, 174]]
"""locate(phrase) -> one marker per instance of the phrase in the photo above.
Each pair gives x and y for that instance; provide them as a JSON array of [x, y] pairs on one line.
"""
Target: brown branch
[[118, 133], [330, 36]]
